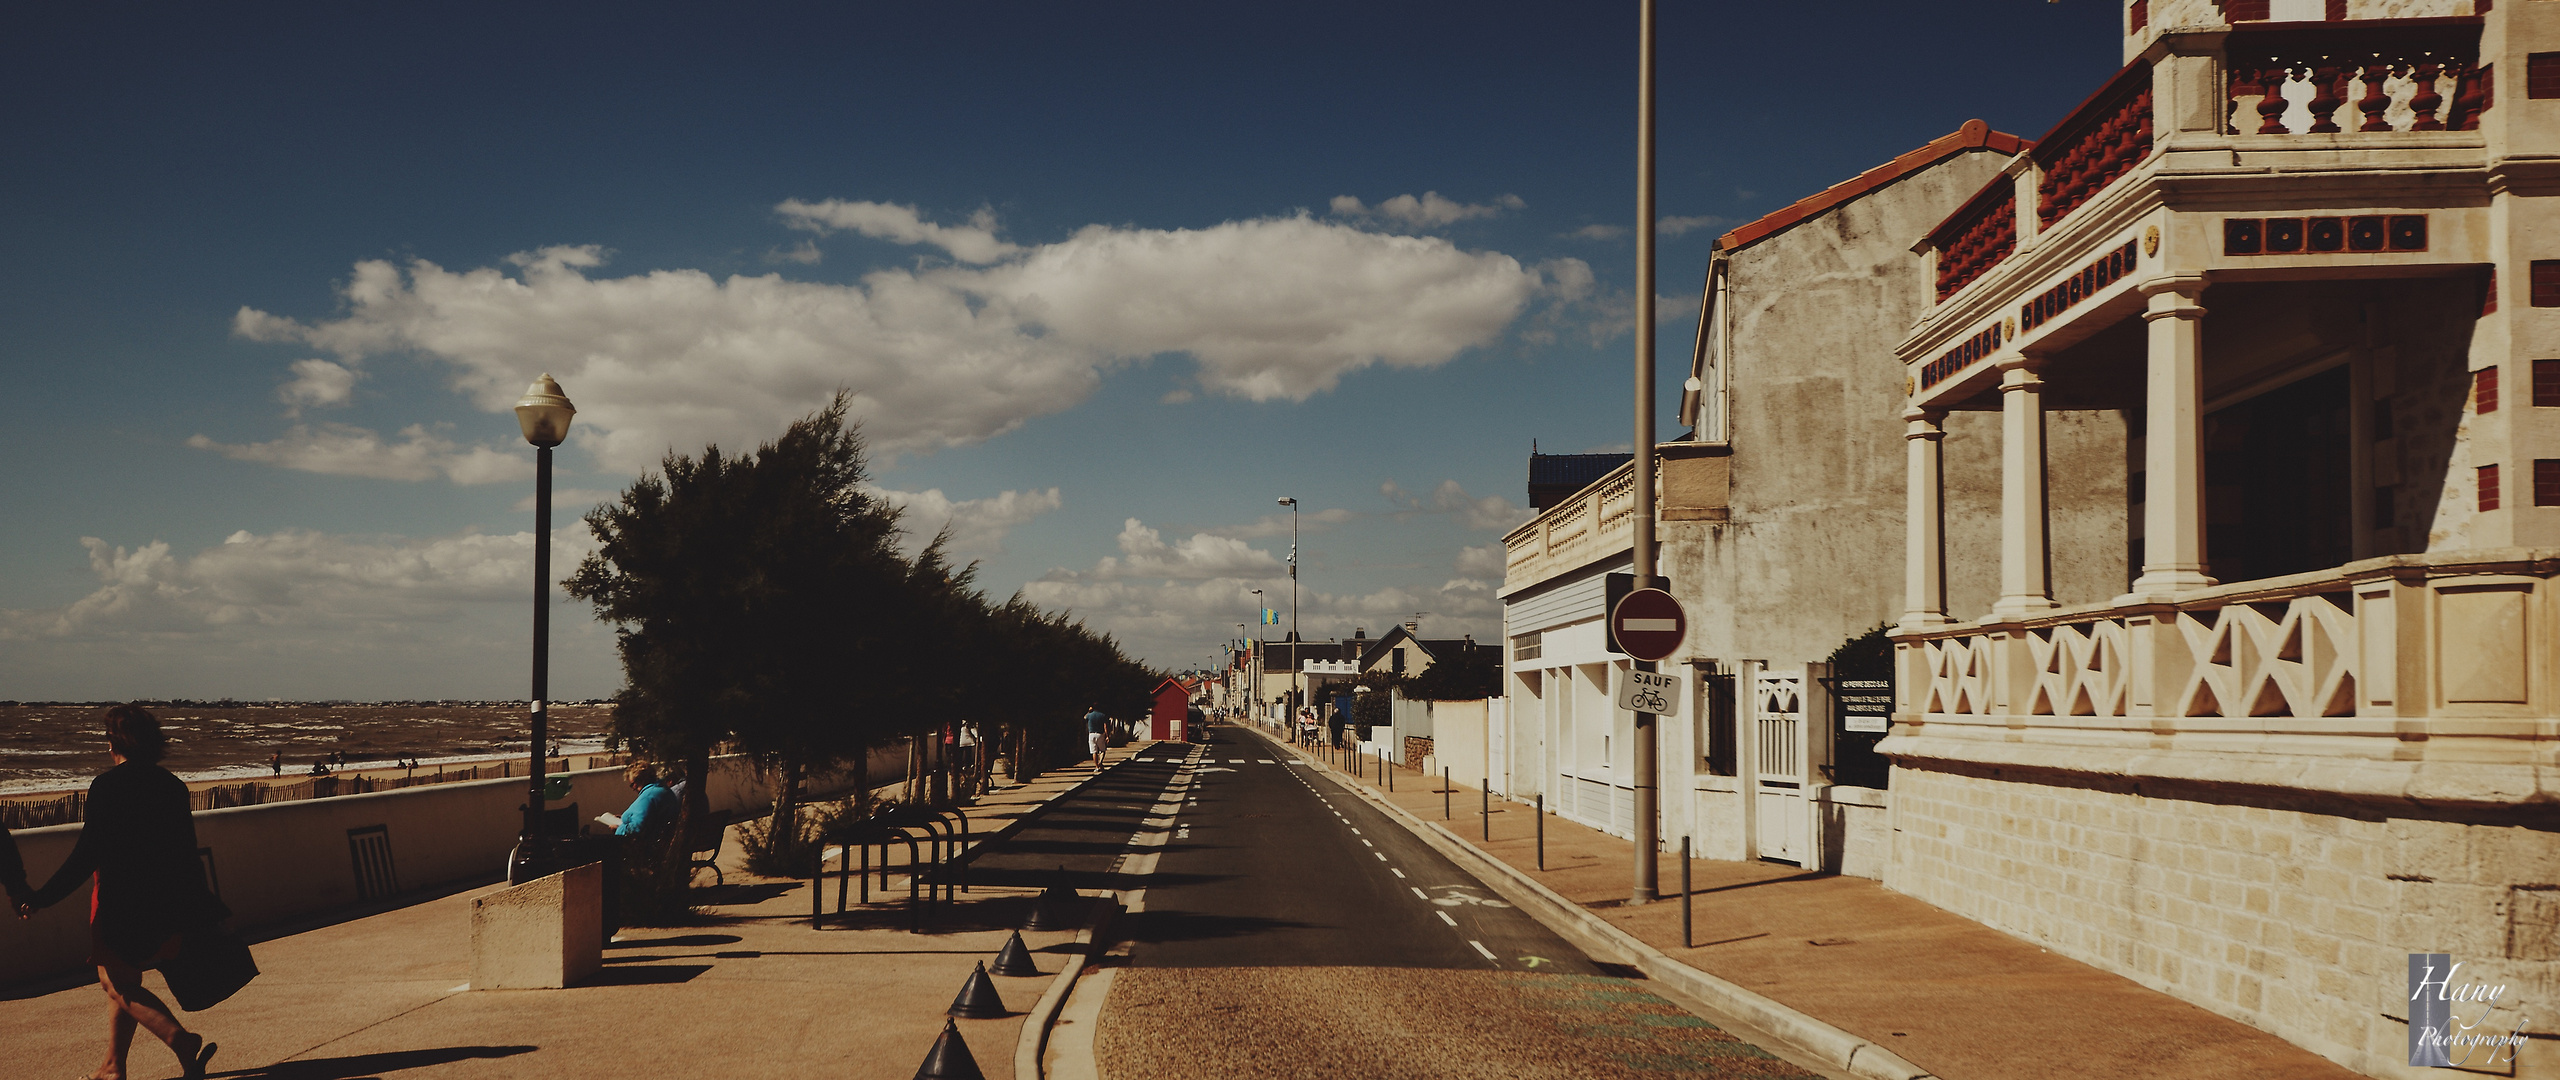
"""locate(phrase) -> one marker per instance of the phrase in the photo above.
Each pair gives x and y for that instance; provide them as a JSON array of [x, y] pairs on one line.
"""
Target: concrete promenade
[[1954, 998], [750, 990]]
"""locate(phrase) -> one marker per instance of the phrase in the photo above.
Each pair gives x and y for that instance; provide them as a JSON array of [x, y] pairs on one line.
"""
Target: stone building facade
[[2309, 251]]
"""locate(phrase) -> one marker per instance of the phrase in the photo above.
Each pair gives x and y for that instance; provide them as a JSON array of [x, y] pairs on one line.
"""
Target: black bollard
[[978, 999], [1484, 798], [1053, 910], [1444, 794], [1686, 937], [949, 1059], [1014, 960], [1542, 830]]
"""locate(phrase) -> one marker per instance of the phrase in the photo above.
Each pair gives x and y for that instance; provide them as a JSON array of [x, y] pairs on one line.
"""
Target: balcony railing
[[2400, 75], [2101, 140], [1974, 239], [1596, 521]]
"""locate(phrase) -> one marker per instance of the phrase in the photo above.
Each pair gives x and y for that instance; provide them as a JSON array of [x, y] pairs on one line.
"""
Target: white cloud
[[1144, 554], [1676, 226], [978, 526], [1486, 561], [805, 253], [316, 382], [570, 504], [1598, 232], [1490, 513], [1430, 211], [974, 242], [1270, 309], [1178, 623], [346, 450], [292, 578], [308, 615], [1278, 524]]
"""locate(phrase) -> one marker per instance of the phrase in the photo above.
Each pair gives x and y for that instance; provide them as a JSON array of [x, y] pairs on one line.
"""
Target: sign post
[[1648, 625]]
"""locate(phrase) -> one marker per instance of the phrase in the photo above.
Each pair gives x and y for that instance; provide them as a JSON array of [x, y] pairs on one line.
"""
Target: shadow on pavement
[[348, 1068], [688, 941], [1157, 927], [656, 975]]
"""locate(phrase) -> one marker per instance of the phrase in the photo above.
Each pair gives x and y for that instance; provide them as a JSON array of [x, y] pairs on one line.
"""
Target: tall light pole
[[544, 415], [1297, 646], [1647, 749], [1258, 609]]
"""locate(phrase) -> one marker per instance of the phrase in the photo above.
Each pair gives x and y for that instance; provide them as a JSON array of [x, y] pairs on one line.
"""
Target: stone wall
[[2291, 912]]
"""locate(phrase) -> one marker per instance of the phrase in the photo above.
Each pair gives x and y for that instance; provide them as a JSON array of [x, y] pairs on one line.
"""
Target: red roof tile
[[1975, 134]]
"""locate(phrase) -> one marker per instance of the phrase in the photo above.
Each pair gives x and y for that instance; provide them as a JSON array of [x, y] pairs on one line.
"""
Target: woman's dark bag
[[212, 964]]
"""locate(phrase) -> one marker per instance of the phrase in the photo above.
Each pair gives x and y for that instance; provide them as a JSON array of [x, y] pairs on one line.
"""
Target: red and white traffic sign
[[1649, 624]]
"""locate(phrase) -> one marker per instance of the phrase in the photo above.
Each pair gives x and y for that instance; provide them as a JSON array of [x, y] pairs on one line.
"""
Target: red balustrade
[[2103, 139], [2421, 56], [1977, 236]]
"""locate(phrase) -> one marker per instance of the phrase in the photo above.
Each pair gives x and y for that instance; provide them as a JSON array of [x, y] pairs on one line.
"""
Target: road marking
[[1400, 873], [1444, 917], [1364, 842], [1488, 953], [1268, 761], [1416, 892], [1355, 832], [1382, 856]]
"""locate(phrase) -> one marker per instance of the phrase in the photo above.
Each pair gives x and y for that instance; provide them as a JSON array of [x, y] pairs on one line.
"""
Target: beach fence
[[71, 807], [281, 861]]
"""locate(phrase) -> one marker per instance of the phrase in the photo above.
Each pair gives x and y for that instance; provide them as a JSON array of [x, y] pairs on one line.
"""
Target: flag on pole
[[1270, 617]]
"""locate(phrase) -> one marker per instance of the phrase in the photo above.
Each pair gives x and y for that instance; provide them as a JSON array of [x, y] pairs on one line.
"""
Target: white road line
[[1396, 872], [1444, 917], [1382, 856], [1488, 953], [1355, 832], [1418, 893], [1364, 842]]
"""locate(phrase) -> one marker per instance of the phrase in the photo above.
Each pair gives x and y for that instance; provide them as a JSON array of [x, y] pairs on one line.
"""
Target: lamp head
[[544, 413], [1287, 501]]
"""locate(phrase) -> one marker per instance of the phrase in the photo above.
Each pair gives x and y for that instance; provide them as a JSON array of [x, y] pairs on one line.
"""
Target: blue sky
[[1109, 279]]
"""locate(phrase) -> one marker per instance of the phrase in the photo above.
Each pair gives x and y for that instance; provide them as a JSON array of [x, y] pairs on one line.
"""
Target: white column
[[2173, 556], [1924, 521], [2024, 585]]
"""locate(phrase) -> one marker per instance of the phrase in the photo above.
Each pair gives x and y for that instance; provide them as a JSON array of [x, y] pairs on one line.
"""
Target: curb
[[1034, 1044], [1595, 935]]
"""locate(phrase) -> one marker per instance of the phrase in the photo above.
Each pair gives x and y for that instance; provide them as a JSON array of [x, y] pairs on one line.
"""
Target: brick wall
[[2292, 914], [1416, 748]]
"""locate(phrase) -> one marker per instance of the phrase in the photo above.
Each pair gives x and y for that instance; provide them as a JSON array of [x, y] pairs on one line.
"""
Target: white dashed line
[[1364, 842], [1396, 872], [1488, 953], [1355, 832], [1444, 917], [1419, 894], [1382, 856]]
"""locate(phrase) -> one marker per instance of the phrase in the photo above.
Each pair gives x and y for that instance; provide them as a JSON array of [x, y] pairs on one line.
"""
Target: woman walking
[[138, 848]]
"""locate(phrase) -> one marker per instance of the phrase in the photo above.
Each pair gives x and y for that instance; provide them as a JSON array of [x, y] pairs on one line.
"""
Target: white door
[[1777, 702]]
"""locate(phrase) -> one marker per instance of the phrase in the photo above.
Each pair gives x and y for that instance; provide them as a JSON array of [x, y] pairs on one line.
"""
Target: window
[[1528, 646], [2546, 384], [2546, 482], [2546, 282], [1717, 687], [2484, 391], [1398, 662], [2488, 488], [2542, 75]]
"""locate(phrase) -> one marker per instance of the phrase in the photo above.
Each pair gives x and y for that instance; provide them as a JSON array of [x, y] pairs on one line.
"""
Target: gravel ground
[[1390, 1023]]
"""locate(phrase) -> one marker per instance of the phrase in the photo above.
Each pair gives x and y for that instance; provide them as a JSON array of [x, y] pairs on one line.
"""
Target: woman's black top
[[140, 840]]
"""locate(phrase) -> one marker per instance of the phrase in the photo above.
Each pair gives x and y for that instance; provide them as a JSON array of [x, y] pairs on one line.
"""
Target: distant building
[[1777, 526], [1555, 477]]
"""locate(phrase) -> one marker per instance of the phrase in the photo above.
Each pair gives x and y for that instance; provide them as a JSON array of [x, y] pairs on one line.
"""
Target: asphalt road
[[1290, 929]]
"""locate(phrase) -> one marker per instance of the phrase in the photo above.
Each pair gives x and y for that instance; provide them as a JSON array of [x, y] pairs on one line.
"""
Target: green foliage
[[762, 606], [779, 849], [1375, 709], [1470, 673], [1866, 656]]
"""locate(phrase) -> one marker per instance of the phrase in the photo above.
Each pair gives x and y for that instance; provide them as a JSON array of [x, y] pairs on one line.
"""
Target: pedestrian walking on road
[[137, 850], [1097, 733]]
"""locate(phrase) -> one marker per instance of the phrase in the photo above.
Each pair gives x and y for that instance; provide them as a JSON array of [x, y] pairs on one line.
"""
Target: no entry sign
[[1649, 624]]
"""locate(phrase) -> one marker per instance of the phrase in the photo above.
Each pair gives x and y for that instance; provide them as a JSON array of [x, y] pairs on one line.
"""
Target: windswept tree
[[761, 602]]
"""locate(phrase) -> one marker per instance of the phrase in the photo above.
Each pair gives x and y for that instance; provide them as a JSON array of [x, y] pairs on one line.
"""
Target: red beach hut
[[1173, 702]]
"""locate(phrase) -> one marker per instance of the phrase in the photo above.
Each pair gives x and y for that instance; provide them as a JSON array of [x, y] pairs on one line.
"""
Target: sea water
[[62, 747]]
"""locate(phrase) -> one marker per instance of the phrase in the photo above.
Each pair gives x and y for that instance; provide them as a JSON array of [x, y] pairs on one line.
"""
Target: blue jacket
[[1094, 721], [652, 813]]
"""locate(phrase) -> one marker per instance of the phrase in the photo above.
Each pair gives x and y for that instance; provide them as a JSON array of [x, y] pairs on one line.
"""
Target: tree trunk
[[786, 808]]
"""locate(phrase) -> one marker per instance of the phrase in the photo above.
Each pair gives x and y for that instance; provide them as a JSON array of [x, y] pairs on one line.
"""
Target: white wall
[[285, 860]]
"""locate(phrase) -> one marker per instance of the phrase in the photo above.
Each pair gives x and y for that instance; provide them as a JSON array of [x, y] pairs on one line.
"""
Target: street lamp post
[[1256, 696], [1297, 646], [544, 415]]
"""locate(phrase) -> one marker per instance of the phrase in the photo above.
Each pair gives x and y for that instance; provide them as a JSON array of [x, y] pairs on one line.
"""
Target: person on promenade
[[1097, 732], [653, 811], [138, 851]]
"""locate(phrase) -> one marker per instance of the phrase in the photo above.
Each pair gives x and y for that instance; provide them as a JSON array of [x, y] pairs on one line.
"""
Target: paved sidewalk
[[1954, 997], [750, 991]]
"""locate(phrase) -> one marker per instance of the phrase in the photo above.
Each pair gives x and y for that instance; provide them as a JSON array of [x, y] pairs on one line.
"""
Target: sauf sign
[[2439, 1033]]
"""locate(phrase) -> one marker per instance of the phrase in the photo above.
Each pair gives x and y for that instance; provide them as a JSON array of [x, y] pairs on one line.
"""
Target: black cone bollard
[[978, 999], [1056, 905], [949, 1059], [1014, 960]]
